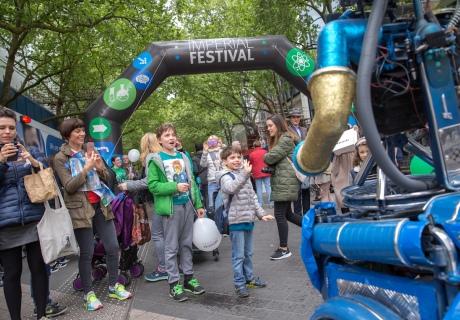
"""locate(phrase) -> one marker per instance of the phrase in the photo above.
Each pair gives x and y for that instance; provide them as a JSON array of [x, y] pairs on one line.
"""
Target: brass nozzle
[[332, 90]]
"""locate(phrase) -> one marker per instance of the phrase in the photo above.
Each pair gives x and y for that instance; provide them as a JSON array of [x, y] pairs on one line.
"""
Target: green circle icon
[[99, 128], [120, 94], [298, 63]]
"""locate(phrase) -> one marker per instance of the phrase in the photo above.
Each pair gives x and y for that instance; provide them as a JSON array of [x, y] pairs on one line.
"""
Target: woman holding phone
[[211, 160], [19, 218], [89, 214]]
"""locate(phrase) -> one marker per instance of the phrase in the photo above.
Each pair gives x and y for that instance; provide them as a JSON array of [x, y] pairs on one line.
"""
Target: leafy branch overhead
[[70, 51]]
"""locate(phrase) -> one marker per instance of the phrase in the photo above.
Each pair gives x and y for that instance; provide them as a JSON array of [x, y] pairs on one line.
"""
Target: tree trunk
[[9, 70]]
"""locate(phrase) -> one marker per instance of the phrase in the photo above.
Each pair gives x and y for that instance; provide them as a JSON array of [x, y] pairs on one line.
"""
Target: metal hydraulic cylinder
[[397, 242]]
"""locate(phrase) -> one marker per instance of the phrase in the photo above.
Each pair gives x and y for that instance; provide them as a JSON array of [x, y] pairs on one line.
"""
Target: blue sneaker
[[255, 283], [242, 291], [157, 275], [119, 292]]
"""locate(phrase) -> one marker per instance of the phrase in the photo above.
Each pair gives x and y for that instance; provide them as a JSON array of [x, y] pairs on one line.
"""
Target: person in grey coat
[[242, 211]]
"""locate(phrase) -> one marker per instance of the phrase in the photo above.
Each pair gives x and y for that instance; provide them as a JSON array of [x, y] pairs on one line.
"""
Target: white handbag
[[300, 176], [346, 142], [55, 231]]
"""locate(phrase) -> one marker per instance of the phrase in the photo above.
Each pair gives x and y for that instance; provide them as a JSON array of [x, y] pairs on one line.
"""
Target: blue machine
[[395, 254]]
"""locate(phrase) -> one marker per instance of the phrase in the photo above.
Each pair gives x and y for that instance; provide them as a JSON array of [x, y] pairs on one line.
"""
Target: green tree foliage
[[71, 50]]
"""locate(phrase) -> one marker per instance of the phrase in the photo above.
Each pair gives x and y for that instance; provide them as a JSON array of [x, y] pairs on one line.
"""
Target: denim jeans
[[268, 188], [158, 238], [212, 186], [242, 251]]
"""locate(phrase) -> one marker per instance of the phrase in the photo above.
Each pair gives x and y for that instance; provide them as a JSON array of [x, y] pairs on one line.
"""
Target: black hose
[[363, 101]]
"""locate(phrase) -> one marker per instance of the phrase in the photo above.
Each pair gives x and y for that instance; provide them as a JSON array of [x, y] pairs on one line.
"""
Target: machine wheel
[[103, 268], [124, 279], [137, 269], [98, 272], [78, 284]]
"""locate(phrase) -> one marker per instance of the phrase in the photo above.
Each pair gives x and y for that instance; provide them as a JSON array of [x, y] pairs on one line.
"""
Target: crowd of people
[[182, 189]]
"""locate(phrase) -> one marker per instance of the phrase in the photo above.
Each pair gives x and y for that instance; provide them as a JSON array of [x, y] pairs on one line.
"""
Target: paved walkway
[[288, 295]]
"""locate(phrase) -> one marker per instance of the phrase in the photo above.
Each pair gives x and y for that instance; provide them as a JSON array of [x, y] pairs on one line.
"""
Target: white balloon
[[133, 155], [206, 237]]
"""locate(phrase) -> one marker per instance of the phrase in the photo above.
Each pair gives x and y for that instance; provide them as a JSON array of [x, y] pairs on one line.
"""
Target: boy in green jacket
[[171, 181]]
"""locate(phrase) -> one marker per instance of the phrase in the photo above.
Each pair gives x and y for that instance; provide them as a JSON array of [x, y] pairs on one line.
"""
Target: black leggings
[[283, 214], [12, 264]]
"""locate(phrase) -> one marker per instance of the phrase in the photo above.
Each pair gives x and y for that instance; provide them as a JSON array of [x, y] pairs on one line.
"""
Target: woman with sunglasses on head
[[88, 212], [284, 183]]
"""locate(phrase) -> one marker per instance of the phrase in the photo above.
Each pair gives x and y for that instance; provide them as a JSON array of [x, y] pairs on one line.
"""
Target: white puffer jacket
[[245, 205]]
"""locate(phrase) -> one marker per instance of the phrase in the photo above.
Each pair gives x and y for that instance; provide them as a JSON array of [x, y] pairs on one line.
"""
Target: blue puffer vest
[[16, 207]]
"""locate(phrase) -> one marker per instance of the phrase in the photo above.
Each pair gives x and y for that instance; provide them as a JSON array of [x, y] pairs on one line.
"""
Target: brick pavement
[[288, 295]]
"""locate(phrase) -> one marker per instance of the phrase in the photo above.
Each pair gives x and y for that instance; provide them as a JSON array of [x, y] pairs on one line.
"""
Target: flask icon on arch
[[120, 94]]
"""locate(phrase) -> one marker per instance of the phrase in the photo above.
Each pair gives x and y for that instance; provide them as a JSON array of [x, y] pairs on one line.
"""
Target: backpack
[[221, 212], [144, 195]]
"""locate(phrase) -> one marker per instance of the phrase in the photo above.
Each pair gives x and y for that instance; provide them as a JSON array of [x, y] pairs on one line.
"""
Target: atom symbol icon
[[300, 62]]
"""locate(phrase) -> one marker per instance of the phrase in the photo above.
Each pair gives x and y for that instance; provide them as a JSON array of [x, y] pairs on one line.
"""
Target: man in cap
[[294, 124], [302, 205]]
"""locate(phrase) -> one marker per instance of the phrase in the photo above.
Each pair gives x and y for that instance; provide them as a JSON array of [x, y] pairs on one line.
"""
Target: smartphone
[[89, 148], [14, 157]]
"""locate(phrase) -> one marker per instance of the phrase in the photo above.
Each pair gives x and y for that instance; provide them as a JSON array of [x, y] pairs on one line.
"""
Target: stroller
[[129, 265]]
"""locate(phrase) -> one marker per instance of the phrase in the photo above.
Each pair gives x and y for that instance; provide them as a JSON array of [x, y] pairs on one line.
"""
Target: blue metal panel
[[352, 307], [424, 291], [454, 310]]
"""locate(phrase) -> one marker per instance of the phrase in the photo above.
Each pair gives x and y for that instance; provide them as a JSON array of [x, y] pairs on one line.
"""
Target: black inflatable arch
[[163, 59]]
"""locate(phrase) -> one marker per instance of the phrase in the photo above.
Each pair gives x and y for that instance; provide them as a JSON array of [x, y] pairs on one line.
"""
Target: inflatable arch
[[162, 59]]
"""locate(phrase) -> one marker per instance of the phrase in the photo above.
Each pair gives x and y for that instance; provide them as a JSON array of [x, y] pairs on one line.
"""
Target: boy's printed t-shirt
[[175, 172]]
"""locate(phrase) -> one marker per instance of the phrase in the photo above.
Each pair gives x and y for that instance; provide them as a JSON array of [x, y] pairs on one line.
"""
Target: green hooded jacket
[[163, 190], [284, 183]]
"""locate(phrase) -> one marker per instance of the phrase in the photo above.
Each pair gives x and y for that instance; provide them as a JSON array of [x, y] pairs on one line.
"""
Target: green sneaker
[[193, 286], [177, 293], [119, 292], [92, 303], [255, 283]]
